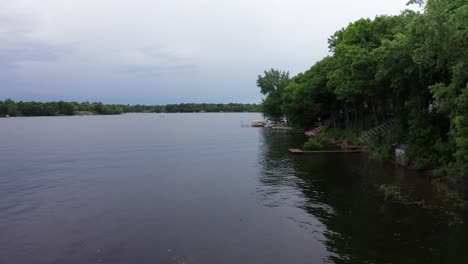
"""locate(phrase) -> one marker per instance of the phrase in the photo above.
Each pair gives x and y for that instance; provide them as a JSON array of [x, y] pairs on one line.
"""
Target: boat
[[270, 124], [259, 123]]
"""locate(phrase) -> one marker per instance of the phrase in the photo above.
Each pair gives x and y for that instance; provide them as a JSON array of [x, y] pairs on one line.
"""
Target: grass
[[332, 135], [341, 135], [314, 143]]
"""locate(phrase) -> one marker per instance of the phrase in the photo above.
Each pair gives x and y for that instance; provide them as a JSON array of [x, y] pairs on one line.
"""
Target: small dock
[[298, 151]]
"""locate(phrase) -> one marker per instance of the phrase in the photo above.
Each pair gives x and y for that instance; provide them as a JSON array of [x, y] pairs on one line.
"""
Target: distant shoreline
[[10, 108], [95, 114]]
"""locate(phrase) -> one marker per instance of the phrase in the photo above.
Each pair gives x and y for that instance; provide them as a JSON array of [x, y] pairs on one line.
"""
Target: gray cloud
[[27, 51], [155, 61], [155, 69], [158, 51], [18, 46]]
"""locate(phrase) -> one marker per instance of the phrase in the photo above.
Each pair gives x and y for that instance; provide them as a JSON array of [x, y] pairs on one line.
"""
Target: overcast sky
[[158, 52]]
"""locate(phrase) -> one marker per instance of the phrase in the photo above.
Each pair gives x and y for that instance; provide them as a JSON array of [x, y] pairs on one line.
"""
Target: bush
[[340, 135], [314, 143], [385, 151]]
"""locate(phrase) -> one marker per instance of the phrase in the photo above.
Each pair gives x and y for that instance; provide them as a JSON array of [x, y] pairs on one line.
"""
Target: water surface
[[198, 188]]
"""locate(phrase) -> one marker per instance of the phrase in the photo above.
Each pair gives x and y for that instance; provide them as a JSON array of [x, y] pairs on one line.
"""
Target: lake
[[198, 188]]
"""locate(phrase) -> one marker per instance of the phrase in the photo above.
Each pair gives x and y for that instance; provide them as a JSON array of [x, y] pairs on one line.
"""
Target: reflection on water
[[198, 188], [342, 192]]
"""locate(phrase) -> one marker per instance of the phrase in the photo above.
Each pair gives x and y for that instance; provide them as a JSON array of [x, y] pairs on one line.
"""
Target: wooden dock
[[298, 151]]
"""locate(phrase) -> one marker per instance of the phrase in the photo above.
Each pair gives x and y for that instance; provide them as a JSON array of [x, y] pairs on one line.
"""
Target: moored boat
[[259, 123]]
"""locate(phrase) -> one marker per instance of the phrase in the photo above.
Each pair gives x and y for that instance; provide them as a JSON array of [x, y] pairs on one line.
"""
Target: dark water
[[198, 188]]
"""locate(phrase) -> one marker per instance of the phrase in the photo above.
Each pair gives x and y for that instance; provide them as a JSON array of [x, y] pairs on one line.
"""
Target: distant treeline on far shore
[[12, 108]]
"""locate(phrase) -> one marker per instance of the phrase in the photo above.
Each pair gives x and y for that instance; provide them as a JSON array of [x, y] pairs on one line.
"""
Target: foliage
[[11, 108], [189, 108], [411, 67], [421, 139], [461, 133], [341, 135], [314, 143], [326, 137], [272, 84]]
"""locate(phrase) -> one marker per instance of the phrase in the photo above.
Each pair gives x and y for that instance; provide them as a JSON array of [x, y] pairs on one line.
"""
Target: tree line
[[12, 108], [412, 68], [231, 107]]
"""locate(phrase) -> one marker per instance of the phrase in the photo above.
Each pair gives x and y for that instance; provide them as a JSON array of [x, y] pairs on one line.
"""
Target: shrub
[[314, 143]]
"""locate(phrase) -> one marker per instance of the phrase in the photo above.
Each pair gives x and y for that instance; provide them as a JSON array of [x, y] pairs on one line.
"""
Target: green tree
[[11, 108], [412, 67], [272, 84], [461, 133]]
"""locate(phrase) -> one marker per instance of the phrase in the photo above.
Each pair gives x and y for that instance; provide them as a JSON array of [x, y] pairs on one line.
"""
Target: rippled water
[[198, 188]]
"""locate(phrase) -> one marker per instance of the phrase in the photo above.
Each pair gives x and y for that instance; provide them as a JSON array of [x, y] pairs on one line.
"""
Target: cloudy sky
[[158, 52]]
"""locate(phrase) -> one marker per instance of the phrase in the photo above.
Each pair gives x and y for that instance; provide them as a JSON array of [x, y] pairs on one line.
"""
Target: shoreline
[[97, 114]]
